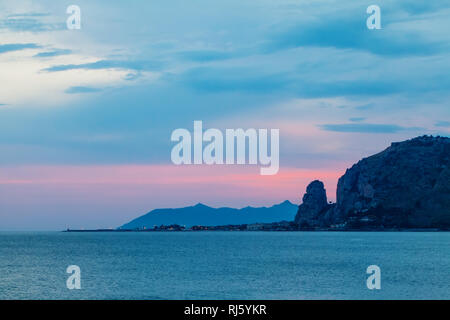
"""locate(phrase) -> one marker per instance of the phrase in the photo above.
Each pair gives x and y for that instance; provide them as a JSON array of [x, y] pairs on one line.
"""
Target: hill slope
[[407, 186]]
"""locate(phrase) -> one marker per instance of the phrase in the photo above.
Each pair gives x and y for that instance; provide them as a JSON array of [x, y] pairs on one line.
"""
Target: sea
[[225, 265]]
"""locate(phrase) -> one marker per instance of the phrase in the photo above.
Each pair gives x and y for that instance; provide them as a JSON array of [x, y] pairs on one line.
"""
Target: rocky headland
[[406, 186]]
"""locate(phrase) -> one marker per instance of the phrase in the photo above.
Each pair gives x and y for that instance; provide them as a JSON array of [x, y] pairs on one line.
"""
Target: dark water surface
[[225, 265]]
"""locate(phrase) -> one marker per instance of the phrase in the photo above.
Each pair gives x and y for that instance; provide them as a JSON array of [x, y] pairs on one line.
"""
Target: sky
[[86, 115]]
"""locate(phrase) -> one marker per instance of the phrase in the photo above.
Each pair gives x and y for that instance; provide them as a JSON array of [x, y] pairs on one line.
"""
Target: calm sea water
[[225, 265]]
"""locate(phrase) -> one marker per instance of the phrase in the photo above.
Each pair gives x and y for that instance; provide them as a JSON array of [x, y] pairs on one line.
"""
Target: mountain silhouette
[[201, 214], [405, 186]]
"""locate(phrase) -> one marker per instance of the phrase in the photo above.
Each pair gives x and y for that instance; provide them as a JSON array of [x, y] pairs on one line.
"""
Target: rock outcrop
[[405, 186], [313, 206]]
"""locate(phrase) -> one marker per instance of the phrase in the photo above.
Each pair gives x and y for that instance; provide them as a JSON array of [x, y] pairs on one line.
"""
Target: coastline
[[263, 230]]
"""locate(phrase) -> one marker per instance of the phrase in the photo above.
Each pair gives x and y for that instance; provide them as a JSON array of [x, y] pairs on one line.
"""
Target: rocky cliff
[[405, 186], [314, 206]]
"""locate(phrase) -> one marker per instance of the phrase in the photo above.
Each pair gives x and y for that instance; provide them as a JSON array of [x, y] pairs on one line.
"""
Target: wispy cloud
[[445, 124], [17, 46], [233, 79], [366, 106], [416, 8], [81, 89], [206, 55], [347, 87], [366, 128], [357, 119], [133, 76], [348, 31], [29, 14], [139, 65], [32, 22], [53, 53]]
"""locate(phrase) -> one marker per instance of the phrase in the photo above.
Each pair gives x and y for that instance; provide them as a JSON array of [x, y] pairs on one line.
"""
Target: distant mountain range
[[201, 214]]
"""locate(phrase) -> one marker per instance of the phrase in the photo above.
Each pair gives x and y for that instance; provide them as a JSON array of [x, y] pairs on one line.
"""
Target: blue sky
[[111, 93]]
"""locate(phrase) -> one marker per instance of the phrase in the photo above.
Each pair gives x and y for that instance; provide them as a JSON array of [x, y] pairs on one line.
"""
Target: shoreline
[[221, 230]]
